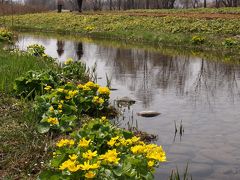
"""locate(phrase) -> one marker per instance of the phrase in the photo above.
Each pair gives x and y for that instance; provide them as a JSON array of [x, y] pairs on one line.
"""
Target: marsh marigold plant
[[61, 108], [100, 150]]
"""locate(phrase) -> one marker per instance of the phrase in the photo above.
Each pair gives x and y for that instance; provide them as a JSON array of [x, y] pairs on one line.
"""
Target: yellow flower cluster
[[110, 157], [117, 141], [61, 90], [151, 163], [70, 165], [98, 100], [87, 166], [104, 119], [73, 165], [90, 175], [104, 90], [71, 94], [156, 153], [84, 143], [48, 88], [53, 121], [152, 151], [65, 142], [88, 160], [51, 109], [68, 61], [89, 154], [60, 106], [88, 86], [92, 85]]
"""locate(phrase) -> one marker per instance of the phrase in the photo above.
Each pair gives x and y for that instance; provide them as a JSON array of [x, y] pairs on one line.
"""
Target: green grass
[[13, 66], [168, 30], [225, 10]]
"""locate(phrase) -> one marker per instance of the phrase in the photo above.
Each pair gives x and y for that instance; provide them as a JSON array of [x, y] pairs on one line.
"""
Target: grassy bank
[[141, 26], [13, 66]]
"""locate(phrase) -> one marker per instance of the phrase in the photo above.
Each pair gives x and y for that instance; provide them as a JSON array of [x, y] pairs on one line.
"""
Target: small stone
[[148, 113]]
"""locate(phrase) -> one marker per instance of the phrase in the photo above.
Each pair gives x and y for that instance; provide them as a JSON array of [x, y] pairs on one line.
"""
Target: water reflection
[[203, 93], [79, 50], [60, 47]]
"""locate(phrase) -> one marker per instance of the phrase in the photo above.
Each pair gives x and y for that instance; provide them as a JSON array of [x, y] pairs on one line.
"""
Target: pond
[[204, 94]]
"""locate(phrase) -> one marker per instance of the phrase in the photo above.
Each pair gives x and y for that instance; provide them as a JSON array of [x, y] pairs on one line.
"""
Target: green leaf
[[119, 171], [57, 161], [127, 134], [48, 175], [43, 128]]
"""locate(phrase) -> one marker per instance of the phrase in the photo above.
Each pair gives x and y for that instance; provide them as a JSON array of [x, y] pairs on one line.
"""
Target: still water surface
[[204, 94]]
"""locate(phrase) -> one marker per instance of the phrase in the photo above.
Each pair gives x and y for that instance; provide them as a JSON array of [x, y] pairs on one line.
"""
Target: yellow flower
[[104, 90], [71, 94], [54, 154], [138, 149], [65, 142], [96, 165], [123, 142], [80, 86], [156, 153], [86, 166], [84, 143], [111, 142], [51, 109], [151, 163], [73, 157], [104, 119], [67, 97], [60, 106], [60, 111], [90, 175], [92, 85], [71, 142], [100, 101], [135, 139], [110, 157], [70, 165], [60, 90], [47, 88], [68, 61], [89, 154], [65, 164], [53, 121], [86, 88]]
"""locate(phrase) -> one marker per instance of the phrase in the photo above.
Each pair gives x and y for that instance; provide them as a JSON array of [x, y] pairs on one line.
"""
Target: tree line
[[79, 5]]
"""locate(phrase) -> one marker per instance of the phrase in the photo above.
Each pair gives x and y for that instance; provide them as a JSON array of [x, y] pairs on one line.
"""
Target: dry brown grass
[[7, 9], [23, 150]]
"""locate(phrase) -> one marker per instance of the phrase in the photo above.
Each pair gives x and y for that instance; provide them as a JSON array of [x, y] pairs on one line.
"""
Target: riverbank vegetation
[[53, 121], [157, 27]]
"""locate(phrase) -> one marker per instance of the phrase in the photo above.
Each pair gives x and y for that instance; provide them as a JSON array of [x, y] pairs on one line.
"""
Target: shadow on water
[[199, 88]]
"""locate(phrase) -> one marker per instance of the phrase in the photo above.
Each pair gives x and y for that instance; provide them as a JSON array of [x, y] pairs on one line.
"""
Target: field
[[168, 27]]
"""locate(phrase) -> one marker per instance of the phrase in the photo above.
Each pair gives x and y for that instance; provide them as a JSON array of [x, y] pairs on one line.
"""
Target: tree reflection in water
[[146, 73], [60, 47]]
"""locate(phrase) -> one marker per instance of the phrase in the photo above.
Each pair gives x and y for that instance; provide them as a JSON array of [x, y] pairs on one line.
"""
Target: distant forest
[[99, 5]]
